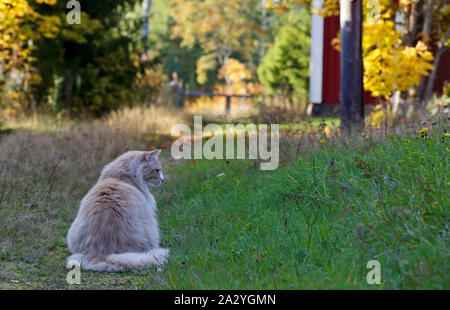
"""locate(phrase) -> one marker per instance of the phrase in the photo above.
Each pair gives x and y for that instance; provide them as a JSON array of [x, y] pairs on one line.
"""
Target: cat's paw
[[75, 258], [161, 255]]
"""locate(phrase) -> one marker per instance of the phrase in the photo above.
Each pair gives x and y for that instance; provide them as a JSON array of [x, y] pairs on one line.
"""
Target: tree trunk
[[428, 20], [410, 17], [441, 50], [352, 90], [68, 89], [229, 88], [411, 28], [426, 31]]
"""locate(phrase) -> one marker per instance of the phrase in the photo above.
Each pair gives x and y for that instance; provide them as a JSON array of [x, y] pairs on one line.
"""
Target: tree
[[88, 66], [91, 66], [352, 90], [389, 66], [285, 68], [220, 27], [238, 75], [435, 13], [21, 25]]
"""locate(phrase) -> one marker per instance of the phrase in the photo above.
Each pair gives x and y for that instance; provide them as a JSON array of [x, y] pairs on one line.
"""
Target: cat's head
[[136, 164], [152, 169]]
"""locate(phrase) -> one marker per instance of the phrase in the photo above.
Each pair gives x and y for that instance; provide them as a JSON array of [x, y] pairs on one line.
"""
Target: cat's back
[[112, 219], [113, 194]]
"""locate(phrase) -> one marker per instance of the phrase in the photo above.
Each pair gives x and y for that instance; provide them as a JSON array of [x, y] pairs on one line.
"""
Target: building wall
[[331, 65], [443, 72]]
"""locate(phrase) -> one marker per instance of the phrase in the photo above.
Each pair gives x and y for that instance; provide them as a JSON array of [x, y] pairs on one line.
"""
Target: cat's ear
[[155, 153], [150, 157]]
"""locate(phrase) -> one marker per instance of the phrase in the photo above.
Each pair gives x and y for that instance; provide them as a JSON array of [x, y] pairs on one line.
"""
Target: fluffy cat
[[116, 226]]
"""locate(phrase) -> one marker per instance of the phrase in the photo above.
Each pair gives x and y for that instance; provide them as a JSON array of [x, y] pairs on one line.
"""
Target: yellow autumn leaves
[[238, 74], [389, 66], [276, 5], [12, 49], [21, 25]]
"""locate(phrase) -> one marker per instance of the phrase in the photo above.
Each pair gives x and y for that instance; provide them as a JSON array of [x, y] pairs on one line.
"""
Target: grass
[[313, 223]]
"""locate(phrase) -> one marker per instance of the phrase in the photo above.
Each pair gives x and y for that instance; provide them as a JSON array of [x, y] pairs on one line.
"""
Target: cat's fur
[[116, 226]]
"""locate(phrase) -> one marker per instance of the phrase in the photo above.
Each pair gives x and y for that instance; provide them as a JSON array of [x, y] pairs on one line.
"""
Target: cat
[[116, 227]]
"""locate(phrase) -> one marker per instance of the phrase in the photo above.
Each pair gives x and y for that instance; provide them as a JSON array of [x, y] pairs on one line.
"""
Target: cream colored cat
[[116, 226]]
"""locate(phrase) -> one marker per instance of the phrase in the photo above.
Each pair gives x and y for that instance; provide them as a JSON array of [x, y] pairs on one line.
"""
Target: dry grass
[[214, 109], [140, 120], [42, 172]]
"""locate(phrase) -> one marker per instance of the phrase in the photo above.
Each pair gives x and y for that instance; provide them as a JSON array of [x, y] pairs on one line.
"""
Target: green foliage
[[107, 81], [204, 64], [164, 49], [97, 66], [286, 66], [221, 28]]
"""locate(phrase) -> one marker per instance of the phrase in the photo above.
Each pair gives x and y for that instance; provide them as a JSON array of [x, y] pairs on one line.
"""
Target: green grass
[[312, 224], [289, 229]]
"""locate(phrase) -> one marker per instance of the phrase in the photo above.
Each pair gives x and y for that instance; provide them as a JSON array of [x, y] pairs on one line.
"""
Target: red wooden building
[[325, 66]]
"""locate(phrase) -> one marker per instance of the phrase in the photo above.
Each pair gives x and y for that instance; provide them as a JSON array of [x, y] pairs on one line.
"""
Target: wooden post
[[228, 105], [352, 89]]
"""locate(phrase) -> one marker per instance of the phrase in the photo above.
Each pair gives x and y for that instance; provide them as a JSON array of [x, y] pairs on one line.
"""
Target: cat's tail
[[123, 261]]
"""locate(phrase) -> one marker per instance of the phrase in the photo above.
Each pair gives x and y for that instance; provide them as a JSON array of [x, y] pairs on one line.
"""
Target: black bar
[[278, 299]]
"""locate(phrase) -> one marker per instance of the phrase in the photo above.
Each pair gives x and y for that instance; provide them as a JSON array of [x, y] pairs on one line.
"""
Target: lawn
[[313, 223]]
